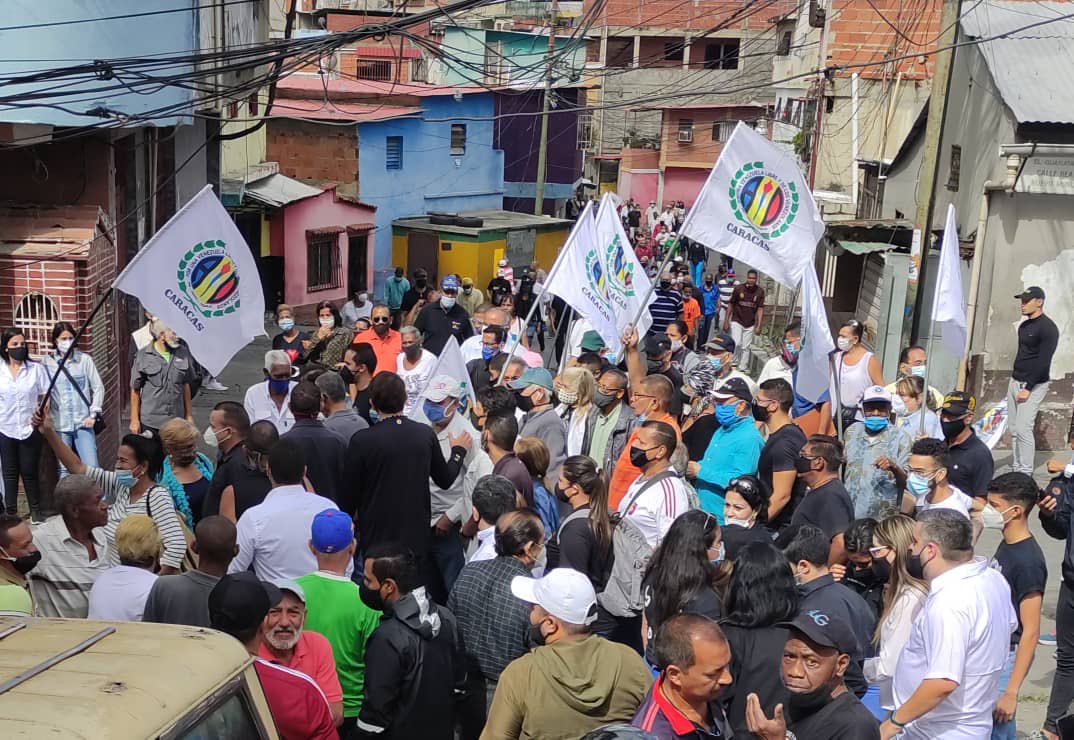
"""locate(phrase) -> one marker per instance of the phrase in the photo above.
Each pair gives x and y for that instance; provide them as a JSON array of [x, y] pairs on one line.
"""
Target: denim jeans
[[1005, 730], [447, 561], [84, 442], [1063, 682]]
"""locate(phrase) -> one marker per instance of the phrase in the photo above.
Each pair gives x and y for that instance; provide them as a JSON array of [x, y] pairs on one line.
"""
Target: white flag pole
[[660, 272]]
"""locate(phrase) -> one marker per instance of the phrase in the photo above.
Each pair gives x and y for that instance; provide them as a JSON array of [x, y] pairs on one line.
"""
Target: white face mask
[[991, 518], [843, 344], [447, 302], [676, 345], [63, 345], [328, 322], [732, 522], [1068, 471]]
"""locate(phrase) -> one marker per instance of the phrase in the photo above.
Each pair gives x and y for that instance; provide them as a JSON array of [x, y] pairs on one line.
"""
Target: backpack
[[622, 595]]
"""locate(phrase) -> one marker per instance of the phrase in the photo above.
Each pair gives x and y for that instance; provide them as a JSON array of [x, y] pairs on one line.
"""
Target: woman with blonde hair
[[903, 597], [575, 388], [186, 472], [916, 403], [120, 593]]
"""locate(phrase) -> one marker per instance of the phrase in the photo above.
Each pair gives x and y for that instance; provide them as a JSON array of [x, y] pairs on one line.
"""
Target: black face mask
[[381, 329], [639, 458], [18, 354], [346, 374], [561, 494], [953, 428], [370, 597], [881, 570], [603, 400], [808, 703], [915, 567], [708, 283], [25, 563], [420, 283], [524, 403], [665, 284], [862, 575], [535, 636], [803, 465], [413, 352], [654, 366], [760, 413]]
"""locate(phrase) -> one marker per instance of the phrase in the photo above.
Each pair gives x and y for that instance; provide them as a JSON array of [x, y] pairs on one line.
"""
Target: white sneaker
[[212, 384]]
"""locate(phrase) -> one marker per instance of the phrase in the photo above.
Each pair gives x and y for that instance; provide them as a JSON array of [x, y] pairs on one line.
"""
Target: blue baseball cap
[[532, 376], [331, 531], [450, 282]]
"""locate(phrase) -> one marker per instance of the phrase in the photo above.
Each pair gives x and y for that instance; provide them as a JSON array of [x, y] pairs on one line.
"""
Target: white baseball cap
[[876, 394], [441, 387], [564, 593]]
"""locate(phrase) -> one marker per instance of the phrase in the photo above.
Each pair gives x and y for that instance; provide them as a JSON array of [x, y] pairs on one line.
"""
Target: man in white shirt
[[274, 535], [657, 496], [451, 506], [271, 400], [928, 486], [358, 308], [946, 678], [493, 497], [414, 365]]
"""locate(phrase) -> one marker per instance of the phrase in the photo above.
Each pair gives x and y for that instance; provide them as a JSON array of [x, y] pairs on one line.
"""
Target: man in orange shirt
[[691, 314], [649, 399], [385, 341]]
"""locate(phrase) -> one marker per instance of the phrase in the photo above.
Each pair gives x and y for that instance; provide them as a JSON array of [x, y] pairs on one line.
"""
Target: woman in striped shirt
[[129, 489]]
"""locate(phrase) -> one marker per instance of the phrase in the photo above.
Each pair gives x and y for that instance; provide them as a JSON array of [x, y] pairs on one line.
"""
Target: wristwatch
[[790, 736]]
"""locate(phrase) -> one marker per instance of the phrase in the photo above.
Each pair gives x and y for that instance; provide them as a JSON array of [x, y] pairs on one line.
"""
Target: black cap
[[958, 403], [657, 344], [1030, 293], [733, 388], [421, 273], [721, 343], [239, 601], [825, 630]]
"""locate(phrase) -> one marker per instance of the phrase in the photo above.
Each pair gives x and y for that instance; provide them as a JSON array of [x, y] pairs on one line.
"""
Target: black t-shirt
[[779, 455], [361, 404], [970, 466], [574, 546], [828, 507], [412, 296], [293, 348], [698, 436], [438, 325], [843, 718], [735, 538], [251, 485], [1026, 571], [633, 217], [705, 602]]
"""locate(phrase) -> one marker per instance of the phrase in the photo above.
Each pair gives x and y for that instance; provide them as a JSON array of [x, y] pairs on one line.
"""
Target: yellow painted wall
[[546, 247], [463, 259], [399, 250], [266, 238], [238, 154]]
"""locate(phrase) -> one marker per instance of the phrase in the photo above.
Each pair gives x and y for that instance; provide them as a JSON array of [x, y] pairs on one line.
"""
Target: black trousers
[[19, 458], [1063, 681]]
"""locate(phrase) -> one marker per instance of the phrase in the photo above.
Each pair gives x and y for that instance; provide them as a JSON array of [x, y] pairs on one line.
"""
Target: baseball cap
[[503, 263], [532, 376], [657, 344], [1033, 291], [721, 343], [591, 341], [450, 282], [825, 630], [239, 601], [331, 531], [876, 394], [421, 273], [467, 282], [564, 593], [733, 388], [958, 403], [442, 387], [287, 584]]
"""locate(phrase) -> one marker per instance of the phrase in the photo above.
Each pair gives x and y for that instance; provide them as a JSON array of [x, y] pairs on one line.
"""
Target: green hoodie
[[564, 690]]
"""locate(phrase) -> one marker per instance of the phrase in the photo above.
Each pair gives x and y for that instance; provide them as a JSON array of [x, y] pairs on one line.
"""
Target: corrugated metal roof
[[1032, 68], [279, 190]]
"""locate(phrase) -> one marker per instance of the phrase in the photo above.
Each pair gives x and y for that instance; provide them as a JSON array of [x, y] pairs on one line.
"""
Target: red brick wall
[[697, 16], [312, 151], [858, 32]]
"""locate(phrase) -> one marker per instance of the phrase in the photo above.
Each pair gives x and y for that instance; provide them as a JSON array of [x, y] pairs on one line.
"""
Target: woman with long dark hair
[[23, 384], [327, 345], [760, 596], [684, 574], [77, 399]]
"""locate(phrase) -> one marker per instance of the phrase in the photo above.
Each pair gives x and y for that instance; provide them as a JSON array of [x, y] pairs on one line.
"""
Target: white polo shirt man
[[962, 634]]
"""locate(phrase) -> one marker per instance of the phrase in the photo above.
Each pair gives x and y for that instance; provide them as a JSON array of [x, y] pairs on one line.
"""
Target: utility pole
[[542, 153], [930, 166]]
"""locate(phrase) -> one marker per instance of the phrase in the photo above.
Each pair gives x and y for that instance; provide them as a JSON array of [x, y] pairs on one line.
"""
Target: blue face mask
[[374, 417], [487, 353], [125, 478], [917, 484], [434, 412], [876, 423], [725, 414], [717, 363], [721, 554], [278, 387]]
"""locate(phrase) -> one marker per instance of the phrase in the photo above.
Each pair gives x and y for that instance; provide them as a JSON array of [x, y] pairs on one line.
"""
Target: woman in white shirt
[[903, 597], [575, 389], [853, 369], [916, 405], [23, 385]]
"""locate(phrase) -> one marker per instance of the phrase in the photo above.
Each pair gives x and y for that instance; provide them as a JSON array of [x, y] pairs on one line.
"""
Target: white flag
[[811, 380], [199, 277], [450, 363], [757, 207], [948, 309], [627, 282]]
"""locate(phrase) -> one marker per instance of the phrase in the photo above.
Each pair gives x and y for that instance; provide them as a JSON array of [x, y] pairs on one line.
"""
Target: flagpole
[[928, 368], [74, 343]]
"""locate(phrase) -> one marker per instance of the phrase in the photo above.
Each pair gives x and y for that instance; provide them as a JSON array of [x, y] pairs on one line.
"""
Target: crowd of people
[[652, 541]]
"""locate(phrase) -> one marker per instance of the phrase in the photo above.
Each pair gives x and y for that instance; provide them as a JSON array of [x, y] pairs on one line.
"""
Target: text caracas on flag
[[756, 206], [198, 276]]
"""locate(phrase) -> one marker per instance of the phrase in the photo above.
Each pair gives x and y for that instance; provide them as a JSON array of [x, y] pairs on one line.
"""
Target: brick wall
[[312, 151], [860, 31], [700, 15]]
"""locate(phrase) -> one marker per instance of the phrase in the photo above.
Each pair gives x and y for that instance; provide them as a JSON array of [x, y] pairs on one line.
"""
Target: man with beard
[[694, 661], [285, 643], [385, 341], [819, 706]]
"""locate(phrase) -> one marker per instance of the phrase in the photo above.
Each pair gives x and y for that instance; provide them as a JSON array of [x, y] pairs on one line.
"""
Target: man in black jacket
[[414, 663], [1055, 517], [323, 448], [387, 472]]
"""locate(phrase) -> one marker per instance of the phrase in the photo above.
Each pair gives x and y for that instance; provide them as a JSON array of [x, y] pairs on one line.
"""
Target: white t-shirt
[[962, 634], [119, 593], [957, 501], [656, 508], [416, 378]]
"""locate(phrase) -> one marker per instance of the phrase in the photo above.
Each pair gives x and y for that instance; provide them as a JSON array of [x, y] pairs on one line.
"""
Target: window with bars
[[323, 270], [393, 152], [585, 130], [35, 316], [419, 70], [458, 139], [378, 70], [495, 64], [722, 54]]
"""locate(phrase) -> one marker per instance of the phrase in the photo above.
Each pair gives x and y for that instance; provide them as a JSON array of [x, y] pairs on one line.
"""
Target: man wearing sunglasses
[[386, 342]]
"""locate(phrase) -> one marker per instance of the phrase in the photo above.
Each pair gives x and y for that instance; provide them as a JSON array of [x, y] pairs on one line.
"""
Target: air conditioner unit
[[504, 25], [686, 136]]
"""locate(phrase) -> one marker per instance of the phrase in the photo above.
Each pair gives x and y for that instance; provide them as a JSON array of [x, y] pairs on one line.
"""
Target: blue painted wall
[[431, 179], [81, 43]]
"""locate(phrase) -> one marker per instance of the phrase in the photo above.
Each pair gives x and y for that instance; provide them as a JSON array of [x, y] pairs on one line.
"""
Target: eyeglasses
[[642, 395], [608, 391], [879, 552], [381, 319], [743, 484]]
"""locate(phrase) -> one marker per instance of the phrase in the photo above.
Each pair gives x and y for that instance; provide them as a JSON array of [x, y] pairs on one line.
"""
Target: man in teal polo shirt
[[735, 446]]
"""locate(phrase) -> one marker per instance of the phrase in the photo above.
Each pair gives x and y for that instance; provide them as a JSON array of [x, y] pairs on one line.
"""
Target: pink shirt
[[313, 657]]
